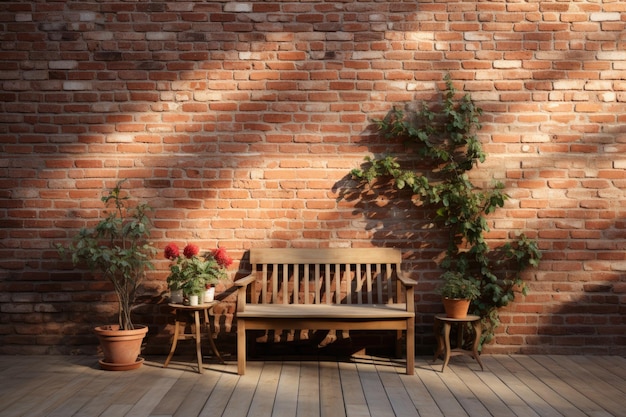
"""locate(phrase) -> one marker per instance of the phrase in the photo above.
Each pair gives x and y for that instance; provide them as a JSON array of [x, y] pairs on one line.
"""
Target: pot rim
[[113, 329]]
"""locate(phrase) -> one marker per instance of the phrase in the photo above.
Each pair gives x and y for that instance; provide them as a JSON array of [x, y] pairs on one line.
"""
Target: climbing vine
[[444, 139]]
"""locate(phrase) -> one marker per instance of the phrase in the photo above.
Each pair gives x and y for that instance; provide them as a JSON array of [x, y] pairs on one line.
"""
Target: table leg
[[174, 342], [207, 323], [196, 316], [478, 332], [439, 338], [446, 337]]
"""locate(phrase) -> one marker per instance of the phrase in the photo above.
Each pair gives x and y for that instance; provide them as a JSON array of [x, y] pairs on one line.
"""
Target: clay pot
[[456, 308], [121, 348]]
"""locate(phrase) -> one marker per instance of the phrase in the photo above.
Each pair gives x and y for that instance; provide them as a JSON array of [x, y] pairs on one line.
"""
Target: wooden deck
[[540, 386]]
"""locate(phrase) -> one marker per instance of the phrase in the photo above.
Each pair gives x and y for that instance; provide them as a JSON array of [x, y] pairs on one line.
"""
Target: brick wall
[[239, 123]]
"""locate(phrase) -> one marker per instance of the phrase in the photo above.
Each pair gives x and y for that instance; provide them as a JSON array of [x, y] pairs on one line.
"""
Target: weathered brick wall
[[239, 123]]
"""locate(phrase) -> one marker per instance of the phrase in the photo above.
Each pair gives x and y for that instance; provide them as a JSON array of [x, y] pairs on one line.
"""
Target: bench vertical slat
[[358, 280], [346, 275], [388, 280], [327, 284], [379, 284], [368, 269], [306, 281], [274, 283], [263, 286], [296, 284], [337, 278], [362, 283], [286, 291], [398, 291], [317, 284]]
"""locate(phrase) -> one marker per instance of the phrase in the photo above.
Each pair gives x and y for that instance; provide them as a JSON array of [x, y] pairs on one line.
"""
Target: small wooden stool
[[182, 314], [443, 340]]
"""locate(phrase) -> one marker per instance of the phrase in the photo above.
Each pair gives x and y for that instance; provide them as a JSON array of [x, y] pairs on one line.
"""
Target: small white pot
[[193, 300], [209, 295]]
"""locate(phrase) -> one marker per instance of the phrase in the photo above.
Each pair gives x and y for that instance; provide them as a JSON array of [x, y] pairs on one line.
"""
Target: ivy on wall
[[444, 140]]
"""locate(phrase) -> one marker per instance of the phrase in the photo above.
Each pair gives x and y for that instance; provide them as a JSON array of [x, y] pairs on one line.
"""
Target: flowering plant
[[194, 273]]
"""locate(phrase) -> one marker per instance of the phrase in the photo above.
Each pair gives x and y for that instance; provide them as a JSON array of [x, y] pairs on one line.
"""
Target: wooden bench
[[326, 289]]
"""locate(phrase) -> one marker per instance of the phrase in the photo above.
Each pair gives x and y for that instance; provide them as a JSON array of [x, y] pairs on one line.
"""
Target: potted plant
[[457, 291], [195, 274], [117, 249]]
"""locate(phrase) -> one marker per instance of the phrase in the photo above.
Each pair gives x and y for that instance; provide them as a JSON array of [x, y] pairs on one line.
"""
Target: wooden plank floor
[[533, 386]]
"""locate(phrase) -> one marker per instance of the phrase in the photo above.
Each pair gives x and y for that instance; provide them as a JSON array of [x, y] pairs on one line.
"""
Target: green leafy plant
[[455, 285], [117, 248], [443, 139]]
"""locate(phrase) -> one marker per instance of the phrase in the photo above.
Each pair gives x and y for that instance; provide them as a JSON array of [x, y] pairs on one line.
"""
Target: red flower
[[222, 258], [191, 250], [171, 251]]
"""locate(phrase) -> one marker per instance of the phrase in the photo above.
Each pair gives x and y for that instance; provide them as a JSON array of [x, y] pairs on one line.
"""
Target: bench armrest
[[245, 281], [242, 286], [405, 280], [408, 285]]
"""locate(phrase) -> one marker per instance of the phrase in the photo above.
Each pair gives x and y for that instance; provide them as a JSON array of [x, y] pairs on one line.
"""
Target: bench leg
[[241, 346], [410, 347]]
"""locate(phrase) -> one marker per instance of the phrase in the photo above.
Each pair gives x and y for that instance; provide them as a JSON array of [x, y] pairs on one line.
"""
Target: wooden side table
[[182, 314], [443, 339]]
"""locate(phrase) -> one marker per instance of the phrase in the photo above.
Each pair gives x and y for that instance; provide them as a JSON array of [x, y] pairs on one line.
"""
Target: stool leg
[[196, 316], [446, 337], [478, 332], [174, 342]]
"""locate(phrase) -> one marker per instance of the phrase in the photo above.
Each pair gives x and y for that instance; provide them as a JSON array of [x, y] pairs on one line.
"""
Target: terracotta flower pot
[[456, 308], [121, 348]]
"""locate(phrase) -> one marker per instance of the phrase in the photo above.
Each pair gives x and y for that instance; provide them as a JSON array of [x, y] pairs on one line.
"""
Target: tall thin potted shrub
[[117, 249]]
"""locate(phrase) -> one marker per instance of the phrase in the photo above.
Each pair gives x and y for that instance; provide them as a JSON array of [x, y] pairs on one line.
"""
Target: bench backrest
[[325, 276]]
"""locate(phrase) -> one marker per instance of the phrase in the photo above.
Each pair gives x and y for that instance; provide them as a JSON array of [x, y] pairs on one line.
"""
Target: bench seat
[[330, 312]]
